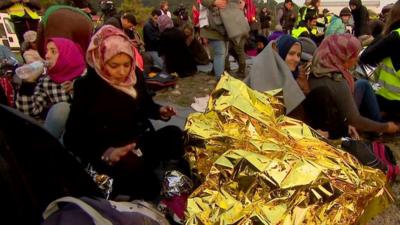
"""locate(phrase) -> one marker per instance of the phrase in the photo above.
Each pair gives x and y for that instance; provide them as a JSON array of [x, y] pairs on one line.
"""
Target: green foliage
[[136, 7]]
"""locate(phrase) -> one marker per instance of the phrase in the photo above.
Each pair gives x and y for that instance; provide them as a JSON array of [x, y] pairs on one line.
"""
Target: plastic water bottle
[[30, 71]]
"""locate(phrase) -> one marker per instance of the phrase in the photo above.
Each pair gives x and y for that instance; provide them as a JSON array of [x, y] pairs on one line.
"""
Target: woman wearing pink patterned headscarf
[[331, 66], [109, 124]]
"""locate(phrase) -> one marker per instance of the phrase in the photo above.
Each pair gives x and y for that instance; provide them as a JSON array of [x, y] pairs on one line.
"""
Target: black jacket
[[33, 4], [102, 116], [361, 18], [388, 46], [151, 36]]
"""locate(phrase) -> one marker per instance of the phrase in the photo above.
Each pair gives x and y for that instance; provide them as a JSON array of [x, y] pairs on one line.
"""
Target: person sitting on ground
[[331, 64], [29, 47], [195, 47], [174, 49], [151, 38], [48, 96], [338, 23], [109, 124], [125, 22], [261, 43], [308, 29], [276, 33]]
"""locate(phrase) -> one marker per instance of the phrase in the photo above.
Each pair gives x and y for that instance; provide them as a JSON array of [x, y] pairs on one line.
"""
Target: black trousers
[[134, 176]]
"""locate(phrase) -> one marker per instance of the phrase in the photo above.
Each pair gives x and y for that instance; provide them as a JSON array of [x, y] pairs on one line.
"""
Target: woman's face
[[51, 54], [293, 57], [119, 67]]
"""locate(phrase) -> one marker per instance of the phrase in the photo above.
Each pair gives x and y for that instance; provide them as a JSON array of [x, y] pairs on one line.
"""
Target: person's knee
[[59, 109], [363, 84]]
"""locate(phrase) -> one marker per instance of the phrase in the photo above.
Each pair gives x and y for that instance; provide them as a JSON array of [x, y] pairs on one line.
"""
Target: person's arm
[[152, 108], [32, 98], [348, 107], [379, 50]]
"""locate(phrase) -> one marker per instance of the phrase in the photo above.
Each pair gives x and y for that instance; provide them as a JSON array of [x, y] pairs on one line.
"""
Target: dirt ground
[[202, 84]]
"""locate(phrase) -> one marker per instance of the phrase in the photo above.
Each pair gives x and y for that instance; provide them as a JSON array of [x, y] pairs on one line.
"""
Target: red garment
[[8, 90], [196, 16], [250, 11]]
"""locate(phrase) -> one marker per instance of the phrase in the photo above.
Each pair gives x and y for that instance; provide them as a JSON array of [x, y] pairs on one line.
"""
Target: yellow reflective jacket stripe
[[19, 9], [298, 31], [389, 79]]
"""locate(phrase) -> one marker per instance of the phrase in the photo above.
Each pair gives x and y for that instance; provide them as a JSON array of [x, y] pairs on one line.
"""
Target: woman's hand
[[68, 86], [353, 133], [220, 3], [392, 128], [113, 155], [166, 112]]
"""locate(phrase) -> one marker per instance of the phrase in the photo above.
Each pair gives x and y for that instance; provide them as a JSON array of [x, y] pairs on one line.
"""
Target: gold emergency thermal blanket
[[257, 166]]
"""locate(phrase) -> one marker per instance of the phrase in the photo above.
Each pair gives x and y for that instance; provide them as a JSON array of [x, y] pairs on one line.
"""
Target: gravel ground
[[202, 84]]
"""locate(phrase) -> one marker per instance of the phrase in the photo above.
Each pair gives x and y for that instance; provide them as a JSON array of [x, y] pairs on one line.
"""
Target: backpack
[[157, 80], [89, 211], [373, 154]]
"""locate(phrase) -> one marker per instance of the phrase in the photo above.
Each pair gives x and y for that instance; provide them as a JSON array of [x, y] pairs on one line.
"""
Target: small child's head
[[30, 40]]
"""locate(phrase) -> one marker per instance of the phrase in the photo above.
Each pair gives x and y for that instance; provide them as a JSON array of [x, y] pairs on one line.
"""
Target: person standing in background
[[164, 8], [360, 16], [286, 16], [265, 20]]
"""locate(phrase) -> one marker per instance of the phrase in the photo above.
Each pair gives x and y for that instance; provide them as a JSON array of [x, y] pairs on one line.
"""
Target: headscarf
[[164, 22], [333, 52], [284, 44], [70, 63], [108, 42]]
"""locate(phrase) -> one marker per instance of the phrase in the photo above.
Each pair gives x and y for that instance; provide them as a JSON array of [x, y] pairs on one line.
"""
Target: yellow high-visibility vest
[[389, 79], [19, 10], [298, 31]]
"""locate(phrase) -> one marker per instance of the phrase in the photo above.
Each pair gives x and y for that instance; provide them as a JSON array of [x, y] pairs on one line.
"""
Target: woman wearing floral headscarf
[[109, 123], [330, 68]]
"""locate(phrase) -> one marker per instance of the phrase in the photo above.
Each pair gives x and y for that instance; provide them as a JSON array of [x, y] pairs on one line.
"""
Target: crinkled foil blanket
[[258, 166]]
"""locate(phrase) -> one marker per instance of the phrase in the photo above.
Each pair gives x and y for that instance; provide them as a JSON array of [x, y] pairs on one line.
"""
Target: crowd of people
[[92, 94]]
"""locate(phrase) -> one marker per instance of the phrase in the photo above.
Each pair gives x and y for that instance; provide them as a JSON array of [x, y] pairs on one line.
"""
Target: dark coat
[[33, 4], [177, 55], [102, 116], [361, 18], [265, 20], [151, 36], [387, 46], [35, 169]]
